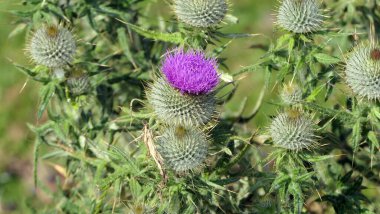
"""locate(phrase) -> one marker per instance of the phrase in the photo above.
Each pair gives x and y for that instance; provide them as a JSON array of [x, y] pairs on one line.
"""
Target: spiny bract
[[292, 130], [78, 84], [174, 108], [363, 71], [52, 46], [200, 13], [300, 16], [291, 94], [182, 149]]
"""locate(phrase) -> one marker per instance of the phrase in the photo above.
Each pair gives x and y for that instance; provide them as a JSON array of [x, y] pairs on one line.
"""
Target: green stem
[[235, 160]]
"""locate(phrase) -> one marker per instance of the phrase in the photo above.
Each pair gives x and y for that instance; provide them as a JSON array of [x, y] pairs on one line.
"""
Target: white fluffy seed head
[[182, 149], [300, 16], [177, 109], [363, 71], [293, 130], [291, 94], [200, 13], [53, 46]]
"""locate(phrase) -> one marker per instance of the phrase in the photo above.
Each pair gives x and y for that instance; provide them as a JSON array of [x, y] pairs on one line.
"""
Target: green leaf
[[356, 135], [25, 70], [17, 30], [57, 11], [313, 158], [227, 151], [304, 38], [33, 73], [135, 188], [375, 143], [228, 78], [313, 95], [326, 59], [231, 19], [212, 184], [376, 112], [373, 138], [282, 40], [291, 44], [226, 181], [46, 94], [237, 35], [123, 41], [175, 38]]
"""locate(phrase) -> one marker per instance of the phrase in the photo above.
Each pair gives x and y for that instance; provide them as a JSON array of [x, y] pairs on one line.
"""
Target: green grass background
[[18, 107]]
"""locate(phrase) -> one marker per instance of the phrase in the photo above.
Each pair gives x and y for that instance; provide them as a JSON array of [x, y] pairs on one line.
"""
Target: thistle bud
[[52, 46], [78, 83], [293, 130], [291, 94], [363, 71], [200, 13], [300, 16], [182, 149]]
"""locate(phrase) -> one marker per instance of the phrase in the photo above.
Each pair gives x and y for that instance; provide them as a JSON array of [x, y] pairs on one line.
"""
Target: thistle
[[291, 94], [293, 130], [185, 95], [300, 16], [200, 13], [175, 108], [52, 46], [182, 149], [190, 72], [363, 71], [78, 83]]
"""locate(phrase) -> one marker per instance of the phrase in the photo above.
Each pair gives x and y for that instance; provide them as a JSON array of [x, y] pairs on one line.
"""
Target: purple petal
[[190, 72]]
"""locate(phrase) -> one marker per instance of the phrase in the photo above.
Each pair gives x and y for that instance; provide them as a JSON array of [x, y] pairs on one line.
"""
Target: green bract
[[291, 94], [292, 130], [200, 13], [78, 84], [52, 46], [300, 16], [175, 108], [182, 149], [363, 71]]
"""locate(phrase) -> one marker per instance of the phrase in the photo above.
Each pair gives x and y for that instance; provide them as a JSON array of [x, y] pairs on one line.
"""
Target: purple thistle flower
[[190, 72]]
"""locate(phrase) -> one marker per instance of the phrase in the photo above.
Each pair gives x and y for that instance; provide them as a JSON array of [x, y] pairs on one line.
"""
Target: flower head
[[78, 84], [291, 94], [52, 46], [363, 71], [200, 13], [300, 16], [293, 130], [182, 149], [190, 72]]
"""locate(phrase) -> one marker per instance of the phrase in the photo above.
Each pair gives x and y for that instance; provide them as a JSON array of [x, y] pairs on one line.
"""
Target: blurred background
[[19, 97]]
